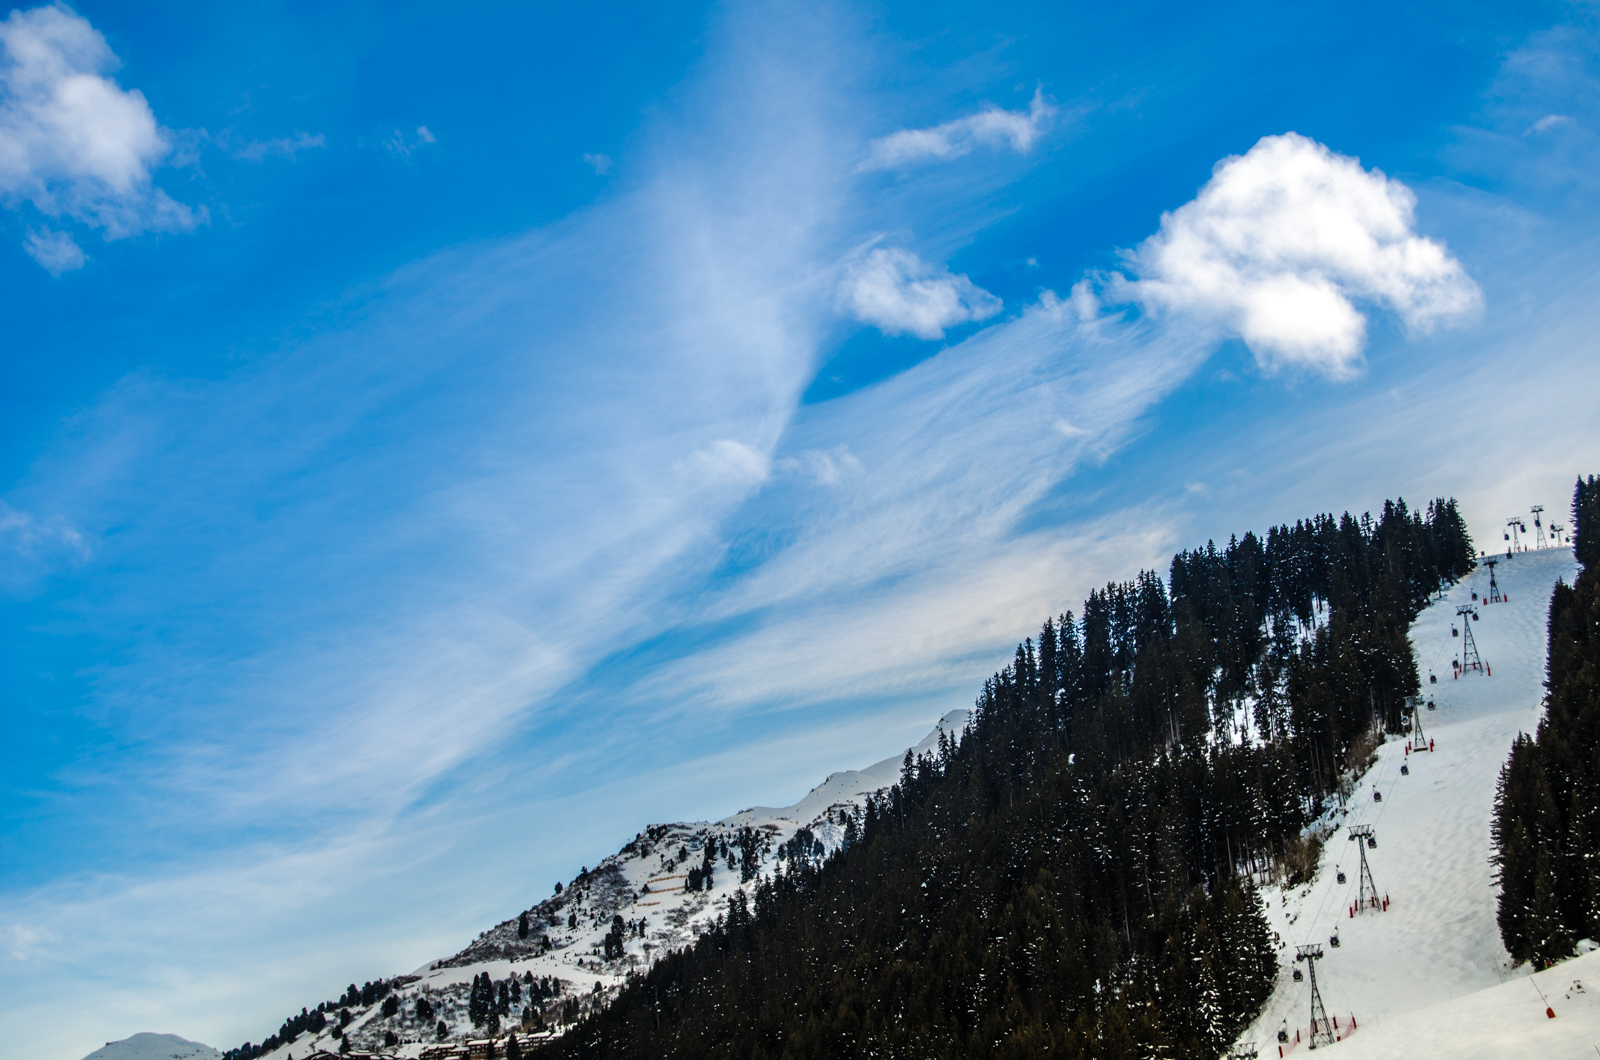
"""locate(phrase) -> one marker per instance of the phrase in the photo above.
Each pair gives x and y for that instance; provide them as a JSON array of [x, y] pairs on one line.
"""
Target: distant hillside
[[570, 953], [148, 1046]]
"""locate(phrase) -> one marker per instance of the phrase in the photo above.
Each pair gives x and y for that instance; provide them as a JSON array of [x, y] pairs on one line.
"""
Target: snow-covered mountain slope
[[646, 885], [1438, 941], [148, 1046]]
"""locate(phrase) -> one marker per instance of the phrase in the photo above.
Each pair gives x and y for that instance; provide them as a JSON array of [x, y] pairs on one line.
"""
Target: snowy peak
[[147, 1046], [850, 786]]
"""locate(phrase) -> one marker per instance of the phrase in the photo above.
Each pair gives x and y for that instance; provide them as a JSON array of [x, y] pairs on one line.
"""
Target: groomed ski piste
[[1428, 976], [645, 881]]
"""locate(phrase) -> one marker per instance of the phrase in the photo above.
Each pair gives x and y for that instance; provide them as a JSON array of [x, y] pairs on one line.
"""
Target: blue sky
[[437, 444]]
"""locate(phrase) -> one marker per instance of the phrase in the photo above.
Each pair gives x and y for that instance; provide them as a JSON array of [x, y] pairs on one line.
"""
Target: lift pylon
[[1366, 890], [1413, 708], [1538, 526], [1470, 659], [1515, 526], [1494, 596], [1321, 1025]]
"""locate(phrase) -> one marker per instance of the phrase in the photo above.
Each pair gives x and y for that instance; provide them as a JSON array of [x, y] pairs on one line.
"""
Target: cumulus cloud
[[72, 142], [58, 252], [900, 294], [990, 127], [1280, 246]]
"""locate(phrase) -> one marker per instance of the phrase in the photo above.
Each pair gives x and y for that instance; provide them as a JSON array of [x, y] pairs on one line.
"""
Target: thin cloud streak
[[991, 127]]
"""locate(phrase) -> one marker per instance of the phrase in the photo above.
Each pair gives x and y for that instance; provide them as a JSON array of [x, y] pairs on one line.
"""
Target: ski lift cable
[[1320, 917], [1299, 989]]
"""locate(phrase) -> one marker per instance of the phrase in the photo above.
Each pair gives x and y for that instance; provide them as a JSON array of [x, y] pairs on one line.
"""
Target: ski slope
[[1403, 973], [1505, 1022]]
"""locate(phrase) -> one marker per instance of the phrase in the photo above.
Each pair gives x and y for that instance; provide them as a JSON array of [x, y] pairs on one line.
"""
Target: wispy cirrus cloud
[[900, 294], [73, 143], [1282, 244], [276, 147], [991, 127], [1548, 122], [405, 144]]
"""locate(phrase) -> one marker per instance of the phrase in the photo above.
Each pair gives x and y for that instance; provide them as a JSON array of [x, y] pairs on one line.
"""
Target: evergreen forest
[[1073, 877], [1547, 808]]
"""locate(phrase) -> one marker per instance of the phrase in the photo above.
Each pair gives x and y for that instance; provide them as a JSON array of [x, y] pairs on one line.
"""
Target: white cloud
[[403, 144], [601, 163], [278, 147], [25, 534], [825, 467], [899, 293], [72, 142], [990, 127], [58, 252], [1548, 122], [727, 462], [1283, 241]]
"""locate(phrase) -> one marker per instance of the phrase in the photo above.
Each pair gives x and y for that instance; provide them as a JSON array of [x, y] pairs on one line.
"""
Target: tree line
[[1547, 807], [1071, 877]]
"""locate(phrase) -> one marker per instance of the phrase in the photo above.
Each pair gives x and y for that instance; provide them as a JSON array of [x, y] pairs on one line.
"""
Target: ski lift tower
[[1470, 659], [1556, 530], [1321, 1025], [1538, 526], [1366, 890], [1513, 525], [1494, 586], [1419, 742]]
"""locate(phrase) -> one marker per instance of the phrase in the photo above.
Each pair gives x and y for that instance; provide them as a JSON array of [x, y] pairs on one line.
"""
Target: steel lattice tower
[[1419, 742], [1366, 890], [1513, 525], [1321, 1025], [1538, 525], [1470, 660], [1494, 596]]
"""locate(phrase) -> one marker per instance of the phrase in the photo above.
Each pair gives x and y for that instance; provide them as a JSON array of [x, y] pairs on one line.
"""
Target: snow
[[147, 1046], [1505, 1022], [1437, 947], [850, 786]]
